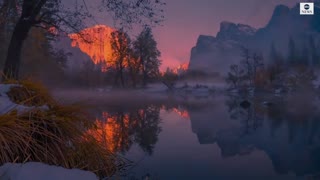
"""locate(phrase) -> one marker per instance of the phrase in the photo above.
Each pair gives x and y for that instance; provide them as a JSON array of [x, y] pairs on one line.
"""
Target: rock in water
[[267, 103], [245, 104]]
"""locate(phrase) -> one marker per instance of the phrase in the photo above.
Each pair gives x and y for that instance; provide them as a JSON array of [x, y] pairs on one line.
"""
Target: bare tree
[[235, 76], [257, 63], [134, 67], [169, 79], [120, 45], [247, 65]]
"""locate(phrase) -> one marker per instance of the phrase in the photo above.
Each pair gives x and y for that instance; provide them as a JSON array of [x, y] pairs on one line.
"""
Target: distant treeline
[[296, 71]]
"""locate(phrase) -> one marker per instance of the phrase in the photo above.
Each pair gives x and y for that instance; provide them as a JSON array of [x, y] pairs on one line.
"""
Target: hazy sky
[[187, 19]]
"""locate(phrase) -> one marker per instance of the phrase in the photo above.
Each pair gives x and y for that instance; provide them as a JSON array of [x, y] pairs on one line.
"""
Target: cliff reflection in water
[[119, 130], [287, 130]]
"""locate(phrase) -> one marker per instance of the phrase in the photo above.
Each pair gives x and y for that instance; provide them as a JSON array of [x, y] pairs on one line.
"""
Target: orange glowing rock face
[[95, 42], [184, 66], [181, 68], [182, 113]]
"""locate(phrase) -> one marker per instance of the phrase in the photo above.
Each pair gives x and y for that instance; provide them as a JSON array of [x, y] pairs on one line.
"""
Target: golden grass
[[30, 93], [56, 135]]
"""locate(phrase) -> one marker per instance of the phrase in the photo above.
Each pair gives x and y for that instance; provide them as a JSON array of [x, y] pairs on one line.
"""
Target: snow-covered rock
[[6, 105], [39, 171]]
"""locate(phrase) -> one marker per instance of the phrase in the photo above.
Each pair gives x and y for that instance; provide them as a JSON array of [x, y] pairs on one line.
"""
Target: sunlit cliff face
[[182, 113], [181, 68], [95, 42]]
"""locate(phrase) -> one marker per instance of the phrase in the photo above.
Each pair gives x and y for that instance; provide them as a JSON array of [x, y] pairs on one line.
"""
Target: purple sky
[[187, 19]]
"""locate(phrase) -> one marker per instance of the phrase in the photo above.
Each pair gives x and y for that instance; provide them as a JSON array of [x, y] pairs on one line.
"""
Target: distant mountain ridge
[[216, 54], [237, 32]]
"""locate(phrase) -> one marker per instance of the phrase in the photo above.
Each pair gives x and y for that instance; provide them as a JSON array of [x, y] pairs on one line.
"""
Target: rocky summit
[[216, 54]]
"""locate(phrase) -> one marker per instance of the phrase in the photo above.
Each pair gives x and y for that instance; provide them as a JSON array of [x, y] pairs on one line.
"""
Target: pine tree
[[145, 48], [275, 56], [315, 59], [292, 54], [305, 55]]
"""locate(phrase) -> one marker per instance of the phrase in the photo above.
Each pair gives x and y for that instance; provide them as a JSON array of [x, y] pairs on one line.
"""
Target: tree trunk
[[144, 72], [12, 63], [145, 77], [121, 76], [115, 83]]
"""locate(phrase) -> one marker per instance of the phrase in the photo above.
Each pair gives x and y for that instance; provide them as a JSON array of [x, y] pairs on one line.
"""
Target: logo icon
[[306, 8]]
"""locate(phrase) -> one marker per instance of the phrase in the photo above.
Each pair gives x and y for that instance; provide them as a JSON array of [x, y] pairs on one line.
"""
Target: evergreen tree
[[305, 55], [315, 59], [145, 48], [292, 54], [275, 56]]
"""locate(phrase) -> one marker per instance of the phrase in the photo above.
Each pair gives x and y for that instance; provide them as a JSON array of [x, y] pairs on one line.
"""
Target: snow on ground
[[33, 170], [39, 171], [192, 87], [6, 105]]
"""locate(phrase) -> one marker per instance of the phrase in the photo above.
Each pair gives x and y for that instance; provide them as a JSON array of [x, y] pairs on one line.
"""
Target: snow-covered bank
[[39, 171], [190, 88], [6, 105]]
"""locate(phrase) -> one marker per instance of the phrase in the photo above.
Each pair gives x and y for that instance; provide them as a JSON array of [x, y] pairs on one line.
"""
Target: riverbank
[[34, 127]]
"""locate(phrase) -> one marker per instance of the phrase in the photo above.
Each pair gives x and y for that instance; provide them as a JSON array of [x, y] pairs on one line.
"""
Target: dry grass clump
[[30, 93], [56, 135]]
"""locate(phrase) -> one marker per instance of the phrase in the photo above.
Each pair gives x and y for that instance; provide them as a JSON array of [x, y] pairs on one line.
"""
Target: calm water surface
[[216, 139]]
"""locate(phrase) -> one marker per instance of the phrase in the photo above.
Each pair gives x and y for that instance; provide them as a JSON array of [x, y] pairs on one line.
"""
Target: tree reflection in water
[[119, 129], [287, 130]]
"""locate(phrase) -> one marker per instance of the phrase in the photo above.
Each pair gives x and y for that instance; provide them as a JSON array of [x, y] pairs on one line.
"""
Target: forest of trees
[[134, 63], [26, 39], [294, 71]]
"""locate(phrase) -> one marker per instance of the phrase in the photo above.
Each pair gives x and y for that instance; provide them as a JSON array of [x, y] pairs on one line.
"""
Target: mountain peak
[[204, 40], [232, 31], [280, 15]]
